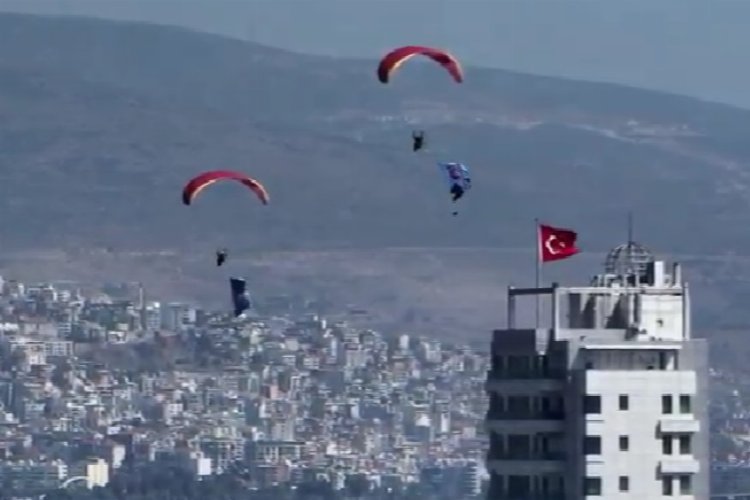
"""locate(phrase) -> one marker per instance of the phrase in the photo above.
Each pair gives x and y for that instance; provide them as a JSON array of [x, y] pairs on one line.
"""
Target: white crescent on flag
[[554, 249]]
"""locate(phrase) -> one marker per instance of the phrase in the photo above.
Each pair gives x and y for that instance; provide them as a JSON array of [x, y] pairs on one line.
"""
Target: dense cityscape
[[105, 395], [99, 391]]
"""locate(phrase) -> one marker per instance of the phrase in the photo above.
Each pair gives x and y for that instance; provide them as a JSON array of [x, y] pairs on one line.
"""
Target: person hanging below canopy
[[459, 180], [418, 140], [221, 256]]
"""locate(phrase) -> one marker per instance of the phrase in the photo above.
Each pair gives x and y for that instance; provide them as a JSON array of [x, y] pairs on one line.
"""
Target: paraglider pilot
[[418, 138], [458, 177], [457, 191], [221, 256]]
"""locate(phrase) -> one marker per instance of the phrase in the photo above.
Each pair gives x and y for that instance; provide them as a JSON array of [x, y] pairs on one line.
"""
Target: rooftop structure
[[608, 401]]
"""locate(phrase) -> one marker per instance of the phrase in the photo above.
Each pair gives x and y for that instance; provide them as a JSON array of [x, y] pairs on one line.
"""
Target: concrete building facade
[[608, 401]]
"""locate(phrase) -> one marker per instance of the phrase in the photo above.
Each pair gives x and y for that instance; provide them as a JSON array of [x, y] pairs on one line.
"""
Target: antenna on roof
[[630, 228]]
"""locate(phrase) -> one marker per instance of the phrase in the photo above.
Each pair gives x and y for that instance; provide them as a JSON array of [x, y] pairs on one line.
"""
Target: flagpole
[[538, 279]]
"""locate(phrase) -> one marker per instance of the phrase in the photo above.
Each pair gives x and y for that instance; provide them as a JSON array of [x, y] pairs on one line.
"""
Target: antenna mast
[[630, 228]]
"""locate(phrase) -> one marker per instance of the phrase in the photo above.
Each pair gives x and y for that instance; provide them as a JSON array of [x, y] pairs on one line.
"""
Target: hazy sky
[[696, 47]]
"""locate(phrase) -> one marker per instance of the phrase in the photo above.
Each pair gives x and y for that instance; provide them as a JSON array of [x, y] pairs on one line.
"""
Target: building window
[[519, 407], [592, 405], [558, 484], [543, 485], [666, 445], [592, 445], [666, 404], [624, 402], [624, 443], [497, 445], [498, 363], [541, 444], [519, 447], [542, 366], [685, 445], [663, 360], [685, 404], [592, 486], [666, 486], [497, 486], [552, 486], [519, 367], [545, 406], [497, 406], [686, 485], [519, 486], [624, 483], [552, 407]]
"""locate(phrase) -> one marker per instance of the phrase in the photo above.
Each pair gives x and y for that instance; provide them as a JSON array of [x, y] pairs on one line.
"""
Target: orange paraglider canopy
[[202, 181], [394, 59]]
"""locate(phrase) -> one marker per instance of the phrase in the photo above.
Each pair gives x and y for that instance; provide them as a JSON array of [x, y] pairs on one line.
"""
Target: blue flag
[[240, 298]]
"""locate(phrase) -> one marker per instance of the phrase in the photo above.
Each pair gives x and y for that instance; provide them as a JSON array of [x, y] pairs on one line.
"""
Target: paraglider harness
[[457, 191], [221, 257], [418, 137]]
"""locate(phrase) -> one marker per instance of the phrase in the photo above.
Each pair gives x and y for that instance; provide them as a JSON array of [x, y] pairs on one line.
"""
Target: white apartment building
[[609, 401], [94, 471], [33, 476]]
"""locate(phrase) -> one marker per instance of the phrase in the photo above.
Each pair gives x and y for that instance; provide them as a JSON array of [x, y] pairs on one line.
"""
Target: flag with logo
[[556, 243]]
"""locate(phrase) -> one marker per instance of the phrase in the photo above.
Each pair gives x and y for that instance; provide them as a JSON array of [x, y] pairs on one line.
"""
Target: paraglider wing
[[465, 175], [202, 181], [394, 59], [240, 299], [456, 175]]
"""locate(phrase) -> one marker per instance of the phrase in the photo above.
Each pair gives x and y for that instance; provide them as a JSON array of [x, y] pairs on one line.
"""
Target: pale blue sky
[[695, 47]]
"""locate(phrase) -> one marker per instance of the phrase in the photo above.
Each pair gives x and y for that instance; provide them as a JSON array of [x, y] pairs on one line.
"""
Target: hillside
[[102, 122]]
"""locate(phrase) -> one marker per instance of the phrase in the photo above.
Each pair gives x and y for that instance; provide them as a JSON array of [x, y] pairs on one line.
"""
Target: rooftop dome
[[628, 259]]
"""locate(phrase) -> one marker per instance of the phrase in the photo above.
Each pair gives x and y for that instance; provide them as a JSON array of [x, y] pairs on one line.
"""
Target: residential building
[[607, 401]]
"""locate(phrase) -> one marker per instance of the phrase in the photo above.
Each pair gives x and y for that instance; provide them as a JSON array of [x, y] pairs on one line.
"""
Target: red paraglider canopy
[[394, 59], [202, 181]]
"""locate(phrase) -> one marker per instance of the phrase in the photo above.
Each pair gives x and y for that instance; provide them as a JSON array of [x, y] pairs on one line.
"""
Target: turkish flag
[[556, 243]]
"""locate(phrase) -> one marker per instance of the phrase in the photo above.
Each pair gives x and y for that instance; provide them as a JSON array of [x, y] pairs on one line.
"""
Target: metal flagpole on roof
[[538, 279]]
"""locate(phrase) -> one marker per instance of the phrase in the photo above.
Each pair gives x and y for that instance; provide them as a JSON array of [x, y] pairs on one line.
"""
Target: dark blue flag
[[240, 298]]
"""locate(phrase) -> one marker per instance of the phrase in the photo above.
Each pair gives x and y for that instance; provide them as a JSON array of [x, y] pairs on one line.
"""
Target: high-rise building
[[607, 401], [469, 480]]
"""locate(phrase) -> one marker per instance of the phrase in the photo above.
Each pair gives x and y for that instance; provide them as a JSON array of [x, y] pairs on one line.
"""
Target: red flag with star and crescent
[[556, 243]]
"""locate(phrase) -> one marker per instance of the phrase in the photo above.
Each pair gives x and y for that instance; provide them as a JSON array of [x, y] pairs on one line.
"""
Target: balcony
[[595, 418], [528, 496], [686, 465], [506, 374], [522, 386], [527, 415], [525, 467], [524, 426], [548, 456], [686, 424]]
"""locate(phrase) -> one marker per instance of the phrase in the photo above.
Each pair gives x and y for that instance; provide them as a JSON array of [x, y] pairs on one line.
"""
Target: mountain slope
[[102, 122]]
